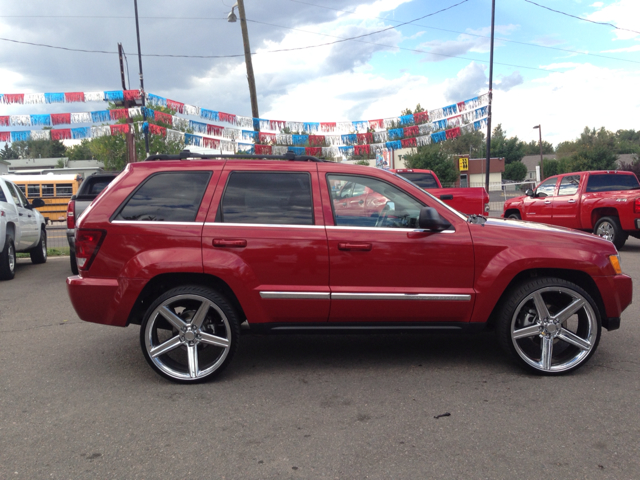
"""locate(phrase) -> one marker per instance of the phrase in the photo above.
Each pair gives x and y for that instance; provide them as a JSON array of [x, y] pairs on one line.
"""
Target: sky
[[550, 69]]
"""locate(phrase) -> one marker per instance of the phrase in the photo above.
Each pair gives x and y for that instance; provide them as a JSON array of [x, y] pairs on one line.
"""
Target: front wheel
[[38, 253], [550, 326], [189, 334], [8, 260], [514, 216], [609, 228]]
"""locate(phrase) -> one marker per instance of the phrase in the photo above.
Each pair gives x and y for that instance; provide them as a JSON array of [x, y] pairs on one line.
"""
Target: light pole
[[247, 54], [493, 22], [539, 127], [142, 92]]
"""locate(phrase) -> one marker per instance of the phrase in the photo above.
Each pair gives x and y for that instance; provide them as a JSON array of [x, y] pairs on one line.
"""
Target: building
[[531, 162], [52, 165], [4, 167]]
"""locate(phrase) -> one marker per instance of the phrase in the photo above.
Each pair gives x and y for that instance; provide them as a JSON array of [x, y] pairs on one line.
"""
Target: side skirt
[[363, 328]]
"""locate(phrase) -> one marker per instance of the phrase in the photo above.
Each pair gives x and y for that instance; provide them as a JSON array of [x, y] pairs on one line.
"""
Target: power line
[[581, 18]]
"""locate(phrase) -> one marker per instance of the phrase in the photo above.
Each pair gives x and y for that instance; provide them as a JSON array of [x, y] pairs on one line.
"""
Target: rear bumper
[[616, 292], [104, 300]]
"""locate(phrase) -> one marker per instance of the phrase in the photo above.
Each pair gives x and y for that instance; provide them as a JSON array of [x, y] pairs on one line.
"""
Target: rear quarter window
[[166, 197], [611, 182]]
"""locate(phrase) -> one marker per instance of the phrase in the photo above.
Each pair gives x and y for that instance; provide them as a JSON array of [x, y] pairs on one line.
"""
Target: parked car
[[191, 246], [469, 200], [90, 188], [606, 203], [22, 229]]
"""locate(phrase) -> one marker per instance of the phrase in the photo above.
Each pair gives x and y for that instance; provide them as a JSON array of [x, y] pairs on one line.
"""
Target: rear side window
[[267, 197], [610, 182], [423, 180], [166, 197]]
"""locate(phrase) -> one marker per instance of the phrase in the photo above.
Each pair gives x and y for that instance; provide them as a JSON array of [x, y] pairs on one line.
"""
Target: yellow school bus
[[55, 190]]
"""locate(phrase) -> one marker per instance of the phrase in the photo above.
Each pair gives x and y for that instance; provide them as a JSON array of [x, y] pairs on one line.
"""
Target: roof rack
[[186, 154]]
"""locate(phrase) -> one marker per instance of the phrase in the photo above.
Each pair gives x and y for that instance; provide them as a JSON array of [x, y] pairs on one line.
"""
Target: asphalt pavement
[[77, 400]]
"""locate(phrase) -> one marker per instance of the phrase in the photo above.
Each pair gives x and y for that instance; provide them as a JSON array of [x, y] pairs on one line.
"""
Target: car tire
[[8, 260], [73, 262], [514, 216], [189, 334], [549, 326], [609, 228], [38, 253]]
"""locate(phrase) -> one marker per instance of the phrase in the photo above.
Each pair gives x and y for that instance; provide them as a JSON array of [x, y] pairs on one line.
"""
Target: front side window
[[569, 185], [3, 197], [33, 190], [13, 191], [267, 198], [166, 197], [547, 188], [611, 182], [382, 206]]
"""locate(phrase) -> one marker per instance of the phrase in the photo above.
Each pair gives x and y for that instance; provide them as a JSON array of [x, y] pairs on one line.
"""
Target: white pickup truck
[[22, 228]]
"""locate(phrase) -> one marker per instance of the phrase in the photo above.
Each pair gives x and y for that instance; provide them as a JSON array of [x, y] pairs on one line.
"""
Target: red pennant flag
[[361, 149], [5, 136], [157, 130], [267, 137], [365, 138], [71, 97], [60, 118], [4, 120], [412, 131], [328, 126], [421, 117], [177, 106], [313, 151], [119, 128], [131, 94], [13, 98], [61, 134], [277, 124], [227, 117], [452, 133], [209, 142], [263, 149], [164, 118], [461, 107], [118, 113], [316, 140], [214, 130], [376, 123], [408, 142]]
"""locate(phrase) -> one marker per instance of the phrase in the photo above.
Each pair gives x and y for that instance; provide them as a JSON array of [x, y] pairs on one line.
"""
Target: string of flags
[[265, 137]]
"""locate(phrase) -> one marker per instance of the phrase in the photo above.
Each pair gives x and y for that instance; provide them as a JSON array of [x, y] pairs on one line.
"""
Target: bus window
[[64, 190], [21, 187], [33, 190], [47, 190]]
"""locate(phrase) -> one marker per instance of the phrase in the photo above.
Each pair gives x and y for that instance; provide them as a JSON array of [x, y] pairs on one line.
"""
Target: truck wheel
[[189, 334], [73, 261], [514, 216], [8, 260], [38, 253], [550, 326], [609, 228]]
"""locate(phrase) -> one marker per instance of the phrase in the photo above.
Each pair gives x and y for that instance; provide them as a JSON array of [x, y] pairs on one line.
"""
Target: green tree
[[593, 150], [472, 143], [432, 157], [533, 148], [628, 141], [8, 153], [39, 148], [516, 171], [81, 151], [511, 148]]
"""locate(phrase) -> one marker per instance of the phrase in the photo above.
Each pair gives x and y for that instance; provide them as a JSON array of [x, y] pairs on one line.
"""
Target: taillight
[[71, 214], [636, 205], [87, 245]]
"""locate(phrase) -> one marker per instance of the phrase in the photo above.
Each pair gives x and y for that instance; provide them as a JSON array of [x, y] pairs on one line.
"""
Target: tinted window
[[423, 180], [13, 191], [385, 205], [167, 197], [268, 197], [33, 190], [547, 188], [3, 198], [569, 185], [610, 182]]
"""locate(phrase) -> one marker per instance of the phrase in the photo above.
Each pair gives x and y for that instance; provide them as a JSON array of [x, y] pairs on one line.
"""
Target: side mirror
[[37, 202], [528, 192], [430, 219]]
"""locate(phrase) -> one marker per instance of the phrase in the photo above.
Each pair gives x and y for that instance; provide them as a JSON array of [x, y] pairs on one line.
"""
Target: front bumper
[[616, 292]]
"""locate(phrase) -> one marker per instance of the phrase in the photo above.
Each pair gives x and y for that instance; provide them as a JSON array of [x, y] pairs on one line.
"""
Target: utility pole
[[142, 92], [539, 127], [129, 138], [493, 21]]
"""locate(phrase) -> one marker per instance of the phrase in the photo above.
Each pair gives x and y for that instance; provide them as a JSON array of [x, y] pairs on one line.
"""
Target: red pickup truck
[[606, 203], [472, 200]]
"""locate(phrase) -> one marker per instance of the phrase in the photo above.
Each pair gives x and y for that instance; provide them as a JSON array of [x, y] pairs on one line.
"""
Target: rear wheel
[[550, 326], [38, 253], [609, 228], [189, 334], [8, 260]]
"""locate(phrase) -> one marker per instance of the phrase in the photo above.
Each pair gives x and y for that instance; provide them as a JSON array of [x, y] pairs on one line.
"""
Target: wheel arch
[[512, 210], [598, 213], [577, 277], [163, 282]]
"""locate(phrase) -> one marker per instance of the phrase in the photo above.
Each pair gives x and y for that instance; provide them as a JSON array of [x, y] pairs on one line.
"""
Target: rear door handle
[[233, 243], [361, 247]]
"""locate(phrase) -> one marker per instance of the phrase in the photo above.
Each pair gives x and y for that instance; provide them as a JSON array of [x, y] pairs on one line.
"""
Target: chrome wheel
[[550, 325], [189, 334], [11, 258], [606, 231]]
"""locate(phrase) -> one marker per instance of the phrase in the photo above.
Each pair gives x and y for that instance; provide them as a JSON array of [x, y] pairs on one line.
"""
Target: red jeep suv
[[195, 248]]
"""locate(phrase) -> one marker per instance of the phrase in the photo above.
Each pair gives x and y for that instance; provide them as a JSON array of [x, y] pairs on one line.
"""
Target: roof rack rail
[[186, 154]]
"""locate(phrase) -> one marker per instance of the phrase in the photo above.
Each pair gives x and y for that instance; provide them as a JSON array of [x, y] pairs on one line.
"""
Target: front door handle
[[572, 200], [233, 243], [361, 247], [547, 202]]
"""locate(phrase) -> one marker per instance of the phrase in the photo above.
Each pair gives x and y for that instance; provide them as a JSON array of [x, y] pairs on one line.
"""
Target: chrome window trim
[[262, 225], [152, 222], [296, 295], [374, 229], [430, 297]]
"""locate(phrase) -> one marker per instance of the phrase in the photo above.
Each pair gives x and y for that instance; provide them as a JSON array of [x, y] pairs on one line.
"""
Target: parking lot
[[79, 401]]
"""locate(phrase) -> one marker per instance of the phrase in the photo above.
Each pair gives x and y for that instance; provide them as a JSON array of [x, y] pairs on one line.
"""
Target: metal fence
[[57, 236]]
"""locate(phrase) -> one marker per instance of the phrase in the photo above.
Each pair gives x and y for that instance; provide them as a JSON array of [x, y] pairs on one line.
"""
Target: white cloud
[[470, 81], [623, 14], [633, 48], [507, 82], [560, 66], [597, 4]]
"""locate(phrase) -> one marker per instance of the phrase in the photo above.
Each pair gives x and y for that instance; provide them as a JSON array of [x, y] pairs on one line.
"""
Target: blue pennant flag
[[100, 116], [258, 122], [250, 135], [114, 96], [396, 133], [81, 132], [156, 100], [350, 139], [360, 124], [395, 145], [198, 126], [192, 139], [346, 151], [440, 124], [406, 119], [54, 98], [145, 127], [450, 110], [297, 150], [299, 139], [20, 136], [209, 114], [438, 137], [148, 113], [481, 112], [40, 119], [311, 126], [246, 147]]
